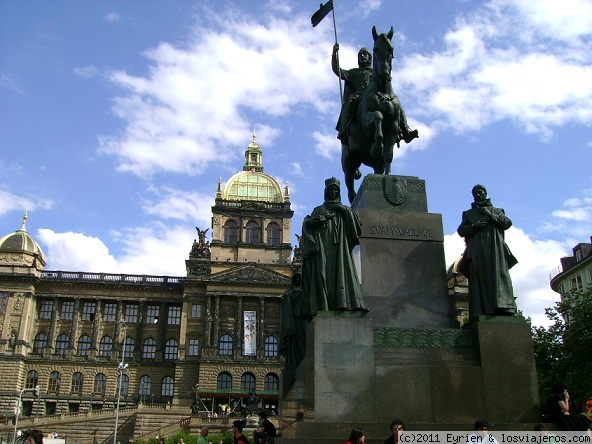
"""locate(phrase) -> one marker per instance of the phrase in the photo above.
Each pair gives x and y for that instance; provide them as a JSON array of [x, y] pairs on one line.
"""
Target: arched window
[[106, 346], [39, 343], [225, 345], [62, 343], [271, 383], [124, 384], [252, 232], [83, 345], [230, 232], [273, 234], [77, 380], [170, 350], [100, 384], [32, 379], [145, 387], [54, 382], [247, 381], [149, 349], [167, 386], [271, 347], [224, 381], [129, 347]]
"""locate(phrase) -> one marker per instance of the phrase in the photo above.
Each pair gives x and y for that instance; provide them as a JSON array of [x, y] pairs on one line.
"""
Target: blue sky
[[118, 118]]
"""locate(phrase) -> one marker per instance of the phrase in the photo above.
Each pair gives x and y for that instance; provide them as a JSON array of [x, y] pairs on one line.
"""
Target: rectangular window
[[46, 309], [193, 347], [3, 301], [67, 310], [109, 312], [576, 282], [589, 277], [578, 255], [196, 310], [131, 313], [174, 315], [88, 311], [152, 314]]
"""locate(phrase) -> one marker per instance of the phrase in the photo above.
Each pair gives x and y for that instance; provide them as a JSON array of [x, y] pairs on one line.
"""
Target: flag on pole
[[318, 16]]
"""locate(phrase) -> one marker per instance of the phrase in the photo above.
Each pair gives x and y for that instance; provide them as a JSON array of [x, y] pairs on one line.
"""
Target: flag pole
[[337, 57]]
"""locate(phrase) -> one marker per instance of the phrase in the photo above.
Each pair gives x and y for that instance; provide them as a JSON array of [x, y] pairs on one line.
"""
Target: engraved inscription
[[399, 231]]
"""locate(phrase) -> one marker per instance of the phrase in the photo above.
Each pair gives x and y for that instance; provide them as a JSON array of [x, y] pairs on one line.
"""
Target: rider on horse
[[356, 80]]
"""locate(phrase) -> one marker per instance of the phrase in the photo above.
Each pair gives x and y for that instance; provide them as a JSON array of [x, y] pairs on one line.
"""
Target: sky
[[119, 118]]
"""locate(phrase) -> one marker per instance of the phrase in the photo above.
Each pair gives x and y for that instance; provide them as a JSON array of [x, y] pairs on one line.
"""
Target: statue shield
[[395, 189]]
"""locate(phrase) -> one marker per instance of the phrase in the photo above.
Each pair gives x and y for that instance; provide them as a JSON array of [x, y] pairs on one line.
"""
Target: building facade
[[204, 340], [575, 272]]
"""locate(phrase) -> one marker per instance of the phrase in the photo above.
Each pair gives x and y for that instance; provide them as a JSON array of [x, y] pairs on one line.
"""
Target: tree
[[563, 350]]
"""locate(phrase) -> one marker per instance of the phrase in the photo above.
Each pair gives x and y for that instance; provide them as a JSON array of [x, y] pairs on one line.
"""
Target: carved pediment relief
[[250, 273]]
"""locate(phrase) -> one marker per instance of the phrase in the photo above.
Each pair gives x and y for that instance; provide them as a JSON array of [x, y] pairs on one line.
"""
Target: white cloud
[[507, 60], [326, 145], [11, 202], [87, 71], [188, 206], [112, 17], [191, 92], [76, 252], [156, 250]]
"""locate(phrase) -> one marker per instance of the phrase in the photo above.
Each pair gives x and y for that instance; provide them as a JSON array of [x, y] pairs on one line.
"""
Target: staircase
[[97, 427]]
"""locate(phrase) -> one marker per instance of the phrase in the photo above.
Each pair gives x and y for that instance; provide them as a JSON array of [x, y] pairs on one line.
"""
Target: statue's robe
[[295, 321], [329, 278], [486, 263]]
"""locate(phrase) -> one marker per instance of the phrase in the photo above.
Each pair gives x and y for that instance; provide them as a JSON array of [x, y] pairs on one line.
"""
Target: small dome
[[453, 269], [250, 185], [21, 242]]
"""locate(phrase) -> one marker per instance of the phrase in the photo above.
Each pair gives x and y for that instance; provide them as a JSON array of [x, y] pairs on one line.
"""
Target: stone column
[[74, 325], [216, 331], [95, 330], [139, 330], [208, 321], [261, 322], [160, 340], [52, 322], [238, 326], [118, 319]]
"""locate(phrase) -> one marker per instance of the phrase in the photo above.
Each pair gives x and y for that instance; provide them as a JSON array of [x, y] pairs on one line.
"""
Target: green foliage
[[215, 437], [563, 350]]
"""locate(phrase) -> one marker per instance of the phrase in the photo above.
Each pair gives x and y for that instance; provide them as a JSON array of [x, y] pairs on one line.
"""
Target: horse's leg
[[349, 165], [388, 157], [376, 152]]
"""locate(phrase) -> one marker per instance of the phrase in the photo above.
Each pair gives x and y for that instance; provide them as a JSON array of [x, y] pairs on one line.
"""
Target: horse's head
[[382, 59]]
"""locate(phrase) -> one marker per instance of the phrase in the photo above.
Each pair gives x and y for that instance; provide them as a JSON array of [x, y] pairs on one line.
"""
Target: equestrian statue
[[372, 119]]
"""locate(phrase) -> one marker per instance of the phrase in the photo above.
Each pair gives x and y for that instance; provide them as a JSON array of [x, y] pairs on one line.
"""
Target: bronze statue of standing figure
[[329, 278], [487, 259], [377, 120]]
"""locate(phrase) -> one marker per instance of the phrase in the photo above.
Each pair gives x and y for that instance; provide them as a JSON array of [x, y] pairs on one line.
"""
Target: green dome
[[21, 242], [251, 185]]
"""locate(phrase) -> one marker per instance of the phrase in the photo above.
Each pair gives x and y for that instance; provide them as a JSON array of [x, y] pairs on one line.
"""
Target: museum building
[[205, 339]]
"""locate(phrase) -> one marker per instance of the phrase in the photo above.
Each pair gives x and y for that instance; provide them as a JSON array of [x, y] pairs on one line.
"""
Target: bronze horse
[[379, 121]]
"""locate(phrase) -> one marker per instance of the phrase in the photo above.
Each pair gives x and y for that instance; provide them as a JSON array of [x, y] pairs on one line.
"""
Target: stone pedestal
[[510, 387], [403, 270], [403, 359], [339, 364]]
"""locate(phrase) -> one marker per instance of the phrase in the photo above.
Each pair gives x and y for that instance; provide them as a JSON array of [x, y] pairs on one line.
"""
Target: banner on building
[[250, 333]]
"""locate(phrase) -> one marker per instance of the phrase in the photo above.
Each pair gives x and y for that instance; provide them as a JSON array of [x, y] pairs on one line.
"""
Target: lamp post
[[35, 390], [121, 368]]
